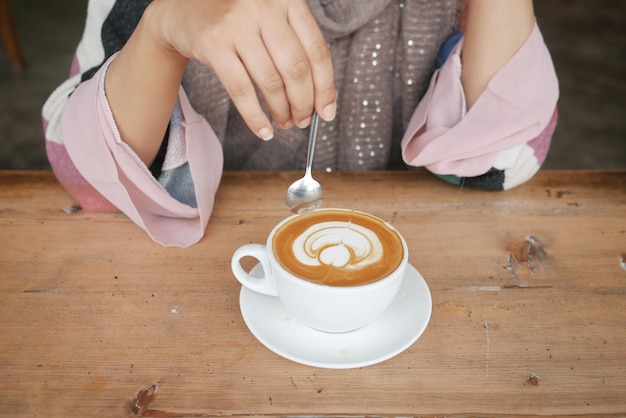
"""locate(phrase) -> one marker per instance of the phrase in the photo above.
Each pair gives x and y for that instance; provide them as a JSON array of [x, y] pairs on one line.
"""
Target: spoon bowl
[[305, 194]]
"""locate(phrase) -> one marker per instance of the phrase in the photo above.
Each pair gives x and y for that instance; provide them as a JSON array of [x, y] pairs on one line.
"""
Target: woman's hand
[[495, 31], [273, 44]]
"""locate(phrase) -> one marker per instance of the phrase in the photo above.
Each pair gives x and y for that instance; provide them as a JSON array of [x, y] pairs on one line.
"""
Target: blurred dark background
[[587, 40]]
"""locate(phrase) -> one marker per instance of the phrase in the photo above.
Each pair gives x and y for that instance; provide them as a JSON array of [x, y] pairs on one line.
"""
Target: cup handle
[[264, 284]]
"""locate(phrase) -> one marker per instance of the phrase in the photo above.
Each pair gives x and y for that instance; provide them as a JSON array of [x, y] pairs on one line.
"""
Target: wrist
[[155, 26]]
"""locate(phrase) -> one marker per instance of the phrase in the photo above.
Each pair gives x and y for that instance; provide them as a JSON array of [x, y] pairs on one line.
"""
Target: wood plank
[[92, 310]]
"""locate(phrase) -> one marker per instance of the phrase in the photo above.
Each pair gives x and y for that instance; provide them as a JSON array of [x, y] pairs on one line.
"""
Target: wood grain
[[528, 287]]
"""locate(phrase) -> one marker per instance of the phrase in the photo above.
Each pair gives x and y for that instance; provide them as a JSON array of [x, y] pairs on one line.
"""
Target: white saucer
[[395, 331]]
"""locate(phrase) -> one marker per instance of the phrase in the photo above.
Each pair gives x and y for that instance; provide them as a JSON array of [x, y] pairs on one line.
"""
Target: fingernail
[[266, 134], [304, 122], [288, 124], [329, 112]]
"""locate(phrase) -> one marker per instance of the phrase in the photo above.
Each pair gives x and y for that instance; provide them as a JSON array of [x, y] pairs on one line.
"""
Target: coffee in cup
[[335, 270], [338, 248]]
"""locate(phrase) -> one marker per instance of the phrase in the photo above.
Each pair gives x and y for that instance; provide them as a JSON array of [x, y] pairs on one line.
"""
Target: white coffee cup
[[349, 274]]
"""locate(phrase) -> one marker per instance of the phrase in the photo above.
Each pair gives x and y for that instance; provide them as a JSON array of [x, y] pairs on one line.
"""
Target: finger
[[236, 80], [293, 65], [268, 80], [318, 54]]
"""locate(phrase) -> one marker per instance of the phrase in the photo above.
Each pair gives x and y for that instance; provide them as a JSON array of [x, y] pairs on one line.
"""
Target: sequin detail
[[384, 53]]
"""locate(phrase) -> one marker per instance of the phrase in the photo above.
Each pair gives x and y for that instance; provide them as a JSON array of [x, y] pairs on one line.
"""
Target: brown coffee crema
[[338, 248]]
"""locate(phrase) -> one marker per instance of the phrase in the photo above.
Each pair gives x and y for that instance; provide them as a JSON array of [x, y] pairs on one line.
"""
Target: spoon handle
[[312, 136]]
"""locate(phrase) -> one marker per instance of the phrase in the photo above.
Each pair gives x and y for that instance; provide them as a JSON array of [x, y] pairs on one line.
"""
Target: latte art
[[338, 247], [338, 244]]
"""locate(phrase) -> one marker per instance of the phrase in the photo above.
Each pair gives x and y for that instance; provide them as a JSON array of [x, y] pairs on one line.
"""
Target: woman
[[166, 94]]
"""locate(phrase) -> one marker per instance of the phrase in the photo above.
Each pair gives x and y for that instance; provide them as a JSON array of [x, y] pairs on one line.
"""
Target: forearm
[[496, 29], [142, 85]]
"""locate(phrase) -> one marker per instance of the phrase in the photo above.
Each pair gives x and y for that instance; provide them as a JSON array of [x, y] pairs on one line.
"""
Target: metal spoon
[[305, 195]]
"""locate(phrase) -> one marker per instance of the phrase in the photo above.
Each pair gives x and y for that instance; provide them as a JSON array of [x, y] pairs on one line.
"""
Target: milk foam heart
[[338, 244]]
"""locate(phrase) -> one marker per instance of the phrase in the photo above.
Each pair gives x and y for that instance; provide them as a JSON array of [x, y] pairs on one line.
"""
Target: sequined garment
[[384, 52]]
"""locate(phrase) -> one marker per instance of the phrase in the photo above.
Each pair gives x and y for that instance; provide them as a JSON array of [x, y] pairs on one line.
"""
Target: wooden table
[[528, 288]]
